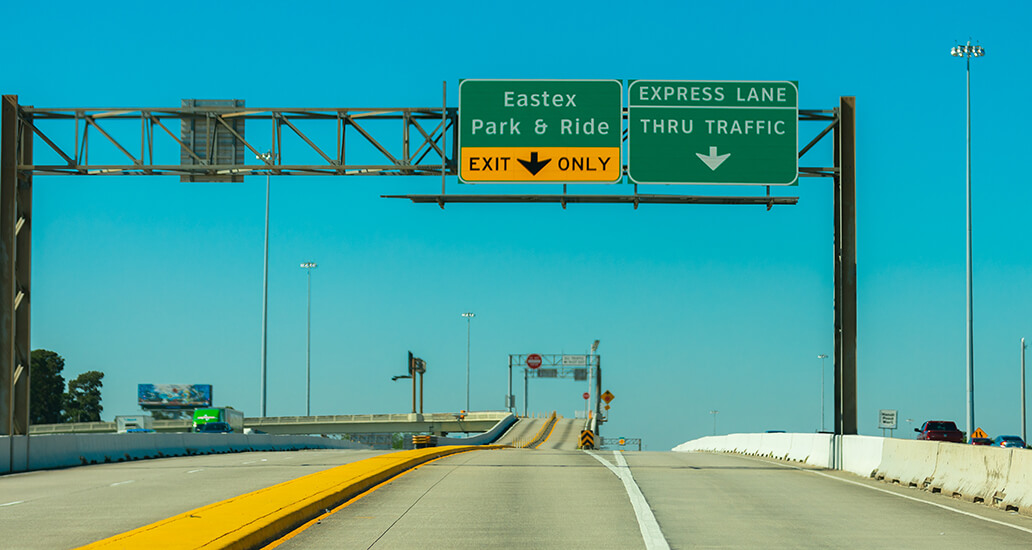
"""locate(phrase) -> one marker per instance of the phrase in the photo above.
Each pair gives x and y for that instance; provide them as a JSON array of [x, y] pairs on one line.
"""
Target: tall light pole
[[822, 357], [968, 51], [714, 413], [593, 390], [267, 158], [1023, 433], [308, 343], [469, 315]]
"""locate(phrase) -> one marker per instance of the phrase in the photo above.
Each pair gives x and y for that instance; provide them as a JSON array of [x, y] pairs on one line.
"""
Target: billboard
[[174, 396]]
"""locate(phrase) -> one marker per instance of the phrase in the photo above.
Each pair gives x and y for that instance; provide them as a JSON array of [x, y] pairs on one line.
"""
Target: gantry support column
[[845, 268], [15, 270]]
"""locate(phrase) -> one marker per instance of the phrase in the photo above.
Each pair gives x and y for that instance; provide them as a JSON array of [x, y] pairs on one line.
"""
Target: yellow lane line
[[259, 517], [343, 505]]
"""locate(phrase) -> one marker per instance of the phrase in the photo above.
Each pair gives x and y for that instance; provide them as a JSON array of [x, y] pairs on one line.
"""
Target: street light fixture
[[469, 315], [968, 51], [822, 357], [267, 158], [308, 343]]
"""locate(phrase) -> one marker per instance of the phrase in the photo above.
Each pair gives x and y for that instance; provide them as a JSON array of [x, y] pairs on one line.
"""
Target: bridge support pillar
[[845, 268], [15, 273]]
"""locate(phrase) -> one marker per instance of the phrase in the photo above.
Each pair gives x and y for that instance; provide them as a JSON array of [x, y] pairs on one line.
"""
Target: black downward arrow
[[533, 165]]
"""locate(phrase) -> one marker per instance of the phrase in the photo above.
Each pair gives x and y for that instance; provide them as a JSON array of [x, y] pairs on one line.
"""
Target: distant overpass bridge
[[438, 423]]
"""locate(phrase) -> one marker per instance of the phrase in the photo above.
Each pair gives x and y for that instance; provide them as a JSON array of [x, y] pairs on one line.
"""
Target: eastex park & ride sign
[[535, 131], [713, 132]]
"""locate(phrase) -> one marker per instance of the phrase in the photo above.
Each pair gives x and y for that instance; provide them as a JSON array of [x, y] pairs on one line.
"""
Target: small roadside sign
[[979, 432], [533, 360], [887, 419], [607, 397]]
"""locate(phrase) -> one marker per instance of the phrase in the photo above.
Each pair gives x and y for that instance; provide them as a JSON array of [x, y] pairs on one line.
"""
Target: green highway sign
[[540, 131], [713, 132]]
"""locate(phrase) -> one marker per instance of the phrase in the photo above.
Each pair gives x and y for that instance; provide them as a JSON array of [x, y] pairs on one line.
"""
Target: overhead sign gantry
[[63, 142]]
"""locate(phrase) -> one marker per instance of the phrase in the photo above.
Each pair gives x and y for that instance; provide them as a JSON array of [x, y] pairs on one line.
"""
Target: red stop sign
[[586, 395], [533, 360]]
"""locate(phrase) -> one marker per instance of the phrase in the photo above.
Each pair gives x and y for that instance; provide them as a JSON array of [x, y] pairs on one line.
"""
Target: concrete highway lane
[[570, 499], [71, 507], [509, 498], [706, 500], [565, 435]]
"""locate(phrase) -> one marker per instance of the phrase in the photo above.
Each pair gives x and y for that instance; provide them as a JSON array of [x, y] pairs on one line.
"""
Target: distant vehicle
[[221, 420], [1008, 441], [775, 431], [940, 430], [134, 423], [981, 441]]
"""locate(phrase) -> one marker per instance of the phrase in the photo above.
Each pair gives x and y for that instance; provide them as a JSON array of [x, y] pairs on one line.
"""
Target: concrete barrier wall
[[1018, 495], [813, 449], [995, 476], [489, 436], [40, 452], [909, 463], [973, 473], [861, 454]]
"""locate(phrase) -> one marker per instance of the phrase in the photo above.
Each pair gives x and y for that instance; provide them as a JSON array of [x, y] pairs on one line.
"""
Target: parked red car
[[940, 430]]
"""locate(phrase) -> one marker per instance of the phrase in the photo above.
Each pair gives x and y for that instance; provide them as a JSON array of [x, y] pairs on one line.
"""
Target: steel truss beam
[[317, 141]]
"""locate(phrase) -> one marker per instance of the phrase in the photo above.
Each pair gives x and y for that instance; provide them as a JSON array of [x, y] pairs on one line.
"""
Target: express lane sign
[[713, 132]]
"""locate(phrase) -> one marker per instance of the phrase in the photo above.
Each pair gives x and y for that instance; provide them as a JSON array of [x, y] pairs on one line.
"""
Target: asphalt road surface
[[570, 499], [521, 498], [68, 508]]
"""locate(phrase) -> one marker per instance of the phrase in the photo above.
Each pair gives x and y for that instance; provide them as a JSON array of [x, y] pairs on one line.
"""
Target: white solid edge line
[[647, 524], [12, 503], [937, 505], [122, 483]]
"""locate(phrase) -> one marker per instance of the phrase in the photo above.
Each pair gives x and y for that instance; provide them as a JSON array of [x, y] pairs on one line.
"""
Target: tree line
[[51, 403]]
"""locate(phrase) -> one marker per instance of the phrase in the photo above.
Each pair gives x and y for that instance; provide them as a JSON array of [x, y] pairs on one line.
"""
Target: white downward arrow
[[713, 160]]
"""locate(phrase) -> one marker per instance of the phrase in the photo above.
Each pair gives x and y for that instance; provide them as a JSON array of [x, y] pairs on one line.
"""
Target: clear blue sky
[[698, 308]]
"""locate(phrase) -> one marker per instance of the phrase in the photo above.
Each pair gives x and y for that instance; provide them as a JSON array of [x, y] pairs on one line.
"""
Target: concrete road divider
[[814, 449], [861, 454], [909, 463], [257, 518], [997, 477], [970, 472], [1018, 493], [22, 453]]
